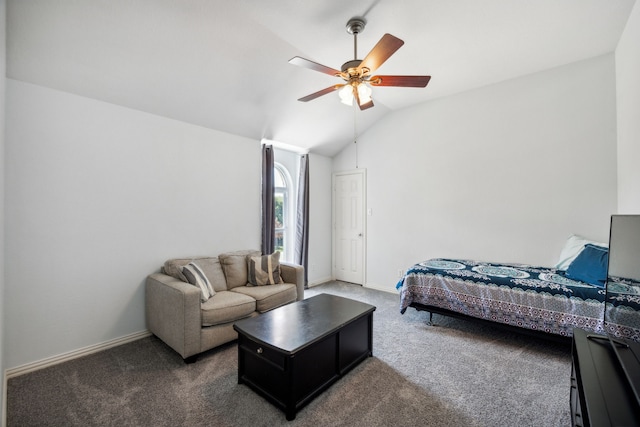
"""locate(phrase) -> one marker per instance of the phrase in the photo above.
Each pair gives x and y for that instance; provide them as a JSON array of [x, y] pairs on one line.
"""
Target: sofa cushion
[[209, 265], [173, 268], [234, 265], [225, 307], [268, 297], [196, 277], [213, 270], [264, 270]]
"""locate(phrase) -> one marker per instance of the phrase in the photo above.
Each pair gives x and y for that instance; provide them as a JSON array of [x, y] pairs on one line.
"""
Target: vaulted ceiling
[[224, 64]]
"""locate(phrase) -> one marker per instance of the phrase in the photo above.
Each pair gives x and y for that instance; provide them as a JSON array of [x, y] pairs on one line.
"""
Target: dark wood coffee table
[[291, 354]]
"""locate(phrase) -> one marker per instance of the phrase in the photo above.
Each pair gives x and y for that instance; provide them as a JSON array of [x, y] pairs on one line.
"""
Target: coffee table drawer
[[262, 352]]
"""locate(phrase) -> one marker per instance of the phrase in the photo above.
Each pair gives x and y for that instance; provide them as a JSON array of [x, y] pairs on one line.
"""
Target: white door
[[349, 226]]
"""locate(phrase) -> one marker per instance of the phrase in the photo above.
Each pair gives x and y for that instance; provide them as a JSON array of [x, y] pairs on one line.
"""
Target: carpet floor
[[456, 373]]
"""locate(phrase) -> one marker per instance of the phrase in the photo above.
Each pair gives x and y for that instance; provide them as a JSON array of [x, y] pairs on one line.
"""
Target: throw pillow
[[196, 277], [264, 270], [590, 266], [572, 248]]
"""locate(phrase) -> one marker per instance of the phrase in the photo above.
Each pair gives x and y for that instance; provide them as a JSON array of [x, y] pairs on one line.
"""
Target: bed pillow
[[572, 248], [590, 265]]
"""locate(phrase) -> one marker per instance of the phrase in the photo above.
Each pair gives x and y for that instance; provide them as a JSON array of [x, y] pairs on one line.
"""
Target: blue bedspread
[[531, 297]]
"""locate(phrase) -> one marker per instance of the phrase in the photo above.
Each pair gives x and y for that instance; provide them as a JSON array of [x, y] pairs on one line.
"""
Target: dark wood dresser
[[601, 391]]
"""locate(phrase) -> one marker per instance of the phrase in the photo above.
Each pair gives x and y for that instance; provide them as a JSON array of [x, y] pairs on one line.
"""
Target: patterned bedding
[[536, 298]]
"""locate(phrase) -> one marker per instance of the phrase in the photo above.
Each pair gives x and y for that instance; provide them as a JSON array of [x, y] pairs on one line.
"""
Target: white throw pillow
[[572, 248]]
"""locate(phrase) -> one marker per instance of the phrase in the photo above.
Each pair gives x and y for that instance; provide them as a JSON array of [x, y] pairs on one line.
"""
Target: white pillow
[[572, 248]]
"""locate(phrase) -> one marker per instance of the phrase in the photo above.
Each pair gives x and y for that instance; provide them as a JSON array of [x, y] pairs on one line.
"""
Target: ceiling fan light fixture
[[364, 93], [346, 95]]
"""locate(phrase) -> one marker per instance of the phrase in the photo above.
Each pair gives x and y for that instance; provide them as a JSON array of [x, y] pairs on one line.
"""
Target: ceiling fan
[[357, 72]]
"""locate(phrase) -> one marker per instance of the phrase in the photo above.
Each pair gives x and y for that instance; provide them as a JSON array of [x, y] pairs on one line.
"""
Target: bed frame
[[444, 312]]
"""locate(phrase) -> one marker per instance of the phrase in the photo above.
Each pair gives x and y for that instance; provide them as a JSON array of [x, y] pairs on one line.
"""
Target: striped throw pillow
[[264, 270], [196, 277]]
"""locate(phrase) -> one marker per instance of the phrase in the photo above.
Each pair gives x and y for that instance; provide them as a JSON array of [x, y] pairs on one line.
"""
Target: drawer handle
[[259, 350]]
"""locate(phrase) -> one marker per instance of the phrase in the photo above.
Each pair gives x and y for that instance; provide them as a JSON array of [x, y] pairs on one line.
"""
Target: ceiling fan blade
[[320, 93], [301, 62], [365, 106], [402, 81], [386, 47]]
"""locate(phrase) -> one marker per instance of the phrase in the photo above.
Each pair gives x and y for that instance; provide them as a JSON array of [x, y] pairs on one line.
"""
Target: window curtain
[[268, 204], [302, 218]]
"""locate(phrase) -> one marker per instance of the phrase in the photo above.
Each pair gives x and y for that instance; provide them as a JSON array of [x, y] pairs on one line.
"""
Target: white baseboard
[[54, 360], [381, 288], [367, 285], [319, 281]]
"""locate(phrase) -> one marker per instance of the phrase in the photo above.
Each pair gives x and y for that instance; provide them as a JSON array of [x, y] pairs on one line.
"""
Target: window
[[283, 215]]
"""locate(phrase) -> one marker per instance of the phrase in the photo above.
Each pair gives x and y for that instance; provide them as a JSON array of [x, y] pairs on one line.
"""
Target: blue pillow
[[590, 265]]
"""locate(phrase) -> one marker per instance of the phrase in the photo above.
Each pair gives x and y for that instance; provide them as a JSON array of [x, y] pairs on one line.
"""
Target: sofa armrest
[[173, 313], [293, 273]]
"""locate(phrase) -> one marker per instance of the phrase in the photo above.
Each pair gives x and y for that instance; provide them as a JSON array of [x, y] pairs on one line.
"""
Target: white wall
[[628, 108], [320, 170], [503, 173], [97, 197], [3, 56]]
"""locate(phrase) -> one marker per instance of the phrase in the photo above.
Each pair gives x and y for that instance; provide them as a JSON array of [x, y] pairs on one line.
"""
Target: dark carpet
[[457, 373]]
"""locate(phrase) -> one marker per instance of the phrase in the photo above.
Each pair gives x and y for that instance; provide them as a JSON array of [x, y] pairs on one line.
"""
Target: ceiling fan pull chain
[[355, 131]]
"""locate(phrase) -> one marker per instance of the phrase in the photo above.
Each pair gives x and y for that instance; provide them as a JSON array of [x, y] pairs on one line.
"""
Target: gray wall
[[503, 173]]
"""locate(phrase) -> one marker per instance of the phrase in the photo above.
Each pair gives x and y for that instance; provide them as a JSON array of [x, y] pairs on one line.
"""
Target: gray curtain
[[302, 218], [268, 204]]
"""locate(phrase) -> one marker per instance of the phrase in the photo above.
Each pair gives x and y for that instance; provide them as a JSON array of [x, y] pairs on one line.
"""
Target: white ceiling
[[224, 64]]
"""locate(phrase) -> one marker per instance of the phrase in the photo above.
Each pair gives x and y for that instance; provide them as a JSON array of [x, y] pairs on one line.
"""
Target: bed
[[580, 291], [534, 298]]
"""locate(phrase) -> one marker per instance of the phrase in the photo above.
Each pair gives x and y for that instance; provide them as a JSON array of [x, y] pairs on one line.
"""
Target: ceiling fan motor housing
[[356, 25], [354, 63]]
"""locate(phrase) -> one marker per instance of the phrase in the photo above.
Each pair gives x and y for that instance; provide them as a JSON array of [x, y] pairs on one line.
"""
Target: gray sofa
[[175, 314]]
